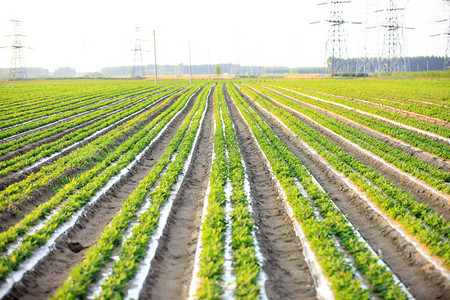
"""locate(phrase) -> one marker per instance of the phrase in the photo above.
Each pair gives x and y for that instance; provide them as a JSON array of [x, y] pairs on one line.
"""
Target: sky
[[91, 34]]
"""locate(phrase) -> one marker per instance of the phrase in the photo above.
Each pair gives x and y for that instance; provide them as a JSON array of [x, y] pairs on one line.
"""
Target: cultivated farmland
[[257, 189]]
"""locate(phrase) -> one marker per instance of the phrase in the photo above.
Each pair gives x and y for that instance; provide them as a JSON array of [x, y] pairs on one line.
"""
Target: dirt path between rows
[[171, 268], [437, 201], [420, 277], [284, 263], [42, 195], [50, 272]]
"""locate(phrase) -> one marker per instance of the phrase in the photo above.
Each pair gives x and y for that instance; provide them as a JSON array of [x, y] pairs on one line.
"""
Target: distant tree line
[[412, 64], [42, 73]]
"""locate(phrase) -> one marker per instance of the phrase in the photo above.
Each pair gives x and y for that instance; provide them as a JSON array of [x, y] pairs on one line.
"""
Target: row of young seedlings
[[416, 167], [134, 106], [420, 140], [43, 127], [28, 99], [53, 109], [77, 193], [417, 218], [384, 113], [336, 244], [133, 249], [22, 141], [13, 130], [66, 109], [400, 108], [229, 264], [88, 155]]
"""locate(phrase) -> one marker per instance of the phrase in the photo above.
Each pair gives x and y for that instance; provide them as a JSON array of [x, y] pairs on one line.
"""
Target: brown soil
[[171, 268], [439, 204], [420, 277], [69, 249], [427, 157], [21, 208], [284, 263]]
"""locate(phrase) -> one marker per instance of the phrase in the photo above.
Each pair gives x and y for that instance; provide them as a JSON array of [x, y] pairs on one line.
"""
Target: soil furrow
[[171, 268], [69, 249], [421, 278], [22, 208], [422, 193], [284, 263]]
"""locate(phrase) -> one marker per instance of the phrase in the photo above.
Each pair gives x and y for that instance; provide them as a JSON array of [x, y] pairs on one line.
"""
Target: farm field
[[255, 189]]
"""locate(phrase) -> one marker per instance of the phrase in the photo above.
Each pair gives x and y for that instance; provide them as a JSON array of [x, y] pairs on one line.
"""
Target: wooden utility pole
[[154, 50]]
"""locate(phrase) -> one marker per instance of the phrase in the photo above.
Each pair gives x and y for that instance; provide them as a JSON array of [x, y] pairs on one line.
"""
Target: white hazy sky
[[90, 34]]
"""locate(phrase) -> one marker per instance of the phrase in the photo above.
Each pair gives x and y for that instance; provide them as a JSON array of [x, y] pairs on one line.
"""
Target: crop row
[[28, 97], [54, 106], [89, 154], [418, 219], [134, 249], [419, 96], [416, 167], [416, 122], [111, 165], [54, 118], [98, 254], [227, 166], [48, 149], [65, 108], [326, 230], [405, 135], [213, 229], [61, 127]]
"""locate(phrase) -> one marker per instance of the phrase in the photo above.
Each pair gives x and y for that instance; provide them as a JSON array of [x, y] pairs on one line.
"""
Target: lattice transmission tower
[[336, 45], [17, 69], [447, 50], [138, 66], [446, 65], [394, 45]]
